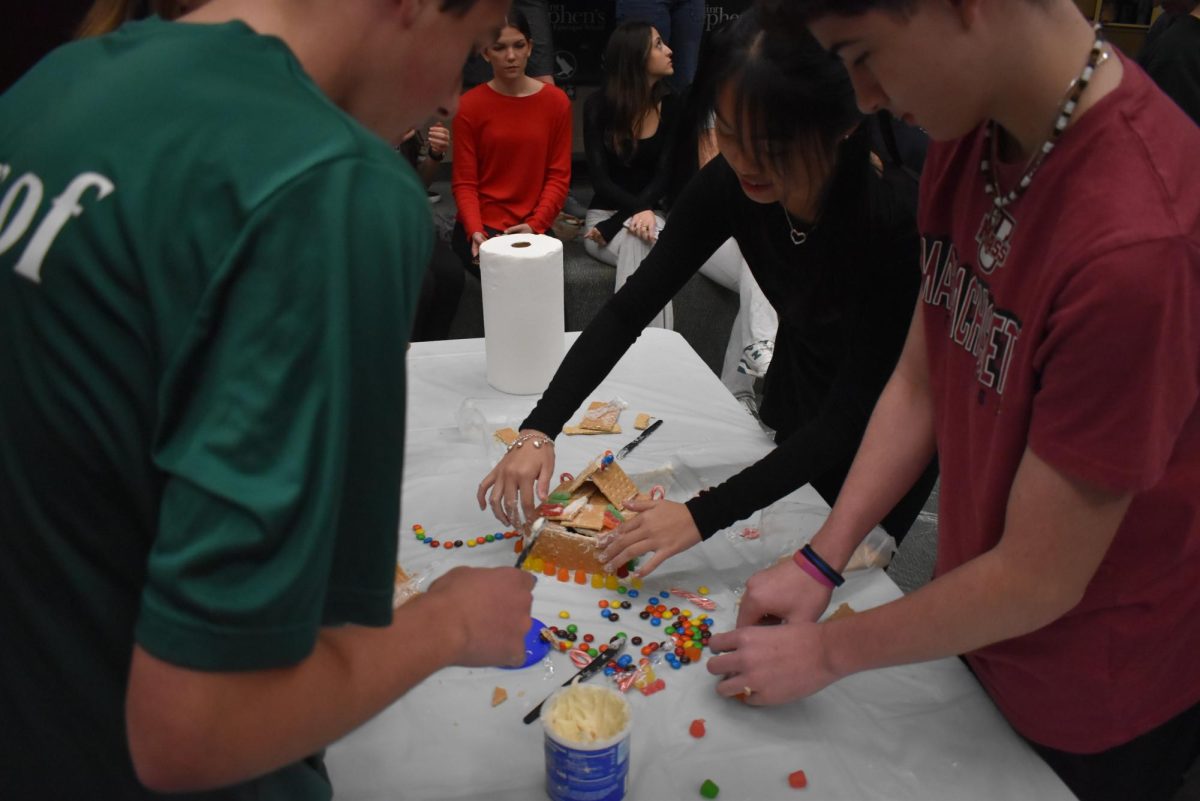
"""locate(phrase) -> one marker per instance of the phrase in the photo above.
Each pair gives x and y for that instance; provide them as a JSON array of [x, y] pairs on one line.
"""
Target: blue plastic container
[[594, 771]]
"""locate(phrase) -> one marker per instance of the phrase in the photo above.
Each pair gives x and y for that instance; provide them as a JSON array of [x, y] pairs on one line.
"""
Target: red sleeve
[[1120, 365], [465, 169], [558, 168]]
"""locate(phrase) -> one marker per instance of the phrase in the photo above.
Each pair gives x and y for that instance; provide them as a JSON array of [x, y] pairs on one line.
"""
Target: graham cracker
[[591, 517], [600, 416], [642, 422], [616, 429], [844, 610]]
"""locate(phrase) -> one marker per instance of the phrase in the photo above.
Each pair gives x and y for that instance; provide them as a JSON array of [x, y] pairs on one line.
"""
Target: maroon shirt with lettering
[[1069, 323]]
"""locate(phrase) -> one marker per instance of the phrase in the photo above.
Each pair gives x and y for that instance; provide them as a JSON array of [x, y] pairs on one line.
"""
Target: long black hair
[[794, 105], [628, 94], [791, 100]]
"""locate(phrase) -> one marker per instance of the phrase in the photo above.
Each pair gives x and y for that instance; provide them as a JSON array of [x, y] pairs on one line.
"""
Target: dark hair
[[458, 7], [513, 19], [695, 116], [628, 93], [792, 98], [105, 16], [794, 15]]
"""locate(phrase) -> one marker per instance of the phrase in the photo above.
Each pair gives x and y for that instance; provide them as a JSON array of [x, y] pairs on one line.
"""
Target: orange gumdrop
[[798, 780], [564, 574], [697, 728]]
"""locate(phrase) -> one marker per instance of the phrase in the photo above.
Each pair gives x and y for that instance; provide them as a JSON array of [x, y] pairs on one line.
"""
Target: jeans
[[681, 23]]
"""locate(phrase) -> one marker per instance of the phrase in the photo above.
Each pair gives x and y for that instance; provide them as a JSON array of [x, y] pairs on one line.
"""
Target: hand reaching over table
[[489, 612], [662, 526], [513, 480], [782, 591], [768, 665]]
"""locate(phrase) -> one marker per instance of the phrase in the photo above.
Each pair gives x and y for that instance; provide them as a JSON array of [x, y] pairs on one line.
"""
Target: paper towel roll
[[523, 323]]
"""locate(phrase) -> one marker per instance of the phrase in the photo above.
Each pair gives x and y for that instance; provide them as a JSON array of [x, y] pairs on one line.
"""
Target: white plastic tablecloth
[[920, 732]]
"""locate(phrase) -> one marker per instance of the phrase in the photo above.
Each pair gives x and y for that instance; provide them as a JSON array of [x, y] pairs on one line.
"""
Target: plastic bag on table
[[603, 416], [485, 420]]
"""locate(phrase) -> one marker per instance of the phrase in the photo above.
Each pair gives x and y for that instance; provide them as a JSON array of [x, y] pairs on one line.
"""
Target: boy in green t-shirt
[[209, 260]]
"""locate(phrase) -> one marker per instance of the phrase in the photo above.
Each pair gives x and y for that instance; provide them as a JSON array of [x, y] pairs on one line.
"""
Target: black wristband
[[823, 566]]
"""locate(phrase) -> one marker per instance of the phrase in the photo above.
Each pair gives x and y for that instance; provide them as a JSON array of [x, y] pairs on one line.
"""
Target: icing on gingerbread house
[[579, 510]]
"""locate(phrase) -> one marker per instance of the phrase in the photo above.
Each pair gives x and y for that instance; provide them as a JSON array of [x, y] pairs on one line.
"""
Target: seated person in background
[[541, 63], [681, 23], [832, 249], [628, 136], [1171, 54], [442, 284], [512, 153], [752, 335]]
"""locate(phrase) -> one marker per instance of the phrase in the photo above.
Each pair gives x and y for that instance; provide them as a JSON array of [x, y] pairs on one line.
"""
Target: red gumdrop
[[697, 728], [798, 780]]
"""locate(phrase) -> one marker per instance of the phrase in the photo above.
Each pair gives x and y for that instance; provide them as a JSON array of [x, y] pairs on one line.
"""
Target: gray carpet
[[912, 566]]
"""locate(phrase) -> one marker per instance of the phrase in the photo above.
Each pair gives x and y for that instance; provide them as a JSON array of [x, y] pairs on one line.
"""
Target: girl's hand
[[522, 228], [644, 225], [477, 239], [512, 483], [439, 139], [597, 237], [665, 527]]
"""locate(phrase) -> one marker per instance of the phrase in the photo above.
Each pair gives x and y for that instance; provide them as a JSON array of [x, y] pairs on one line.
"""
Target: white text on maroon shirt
[[976, 324]]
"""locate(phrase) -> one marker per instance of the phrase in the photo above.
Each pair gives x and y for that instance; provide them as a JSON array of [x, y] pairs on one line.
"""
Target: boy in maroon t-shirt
[[1054, 362]]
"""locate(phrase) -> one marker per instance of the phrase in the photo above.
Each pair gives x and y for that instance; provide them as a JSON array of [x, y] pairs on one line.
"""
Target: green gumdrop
[[709, 789], [559, 497]]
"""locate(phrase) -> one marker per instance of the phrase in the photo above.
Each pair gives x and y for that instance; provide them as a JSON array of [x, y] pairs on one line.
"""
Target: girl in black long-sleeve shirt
[[629, 136], [836, 254]]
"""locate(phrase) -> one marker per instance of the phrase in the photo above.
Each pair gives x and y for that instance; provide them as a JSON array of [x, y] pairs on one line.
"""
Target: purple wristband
[[808, 567]]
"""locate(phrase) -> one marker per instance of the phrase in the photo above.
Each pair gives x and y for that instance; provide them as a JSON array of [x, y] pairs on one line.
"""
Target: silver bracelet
[[538, 441]]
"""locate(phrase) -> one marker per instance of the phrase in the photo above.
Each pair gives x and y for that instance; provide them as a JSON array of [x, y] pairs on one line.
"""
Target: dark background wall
[[29, 30], [581, 28]]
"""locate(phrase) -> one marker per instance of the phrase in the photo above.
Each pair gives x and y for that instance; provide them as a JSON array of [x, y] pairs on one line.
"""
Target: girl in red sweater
[[512, 159]]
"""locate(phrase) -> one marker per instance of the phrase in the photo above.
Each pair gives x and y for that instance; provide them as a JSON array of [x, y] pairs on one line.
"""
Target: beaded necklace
[[987, 162]]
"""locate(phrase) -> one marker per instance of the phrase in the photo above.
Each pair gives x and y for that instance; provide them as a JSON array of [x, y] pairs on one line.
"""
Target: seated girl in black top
[[628, 135], [833, 249]]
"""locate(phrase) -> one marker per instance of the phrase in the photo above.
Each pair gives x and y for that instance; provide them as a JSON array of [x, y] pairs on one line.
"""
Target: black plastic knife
[[621, 454], [615, 646]]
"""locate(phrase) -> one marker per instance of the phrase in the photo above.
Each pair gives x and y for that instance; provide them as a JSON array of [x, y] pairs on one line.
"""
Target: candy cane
[[707, 604]]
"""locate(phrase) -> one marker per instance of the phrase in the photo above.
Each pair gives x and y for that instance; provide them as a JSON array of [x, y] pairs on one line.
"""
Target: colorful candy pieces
[[427, 539], [797, 780], [709, 789], [697, 729]]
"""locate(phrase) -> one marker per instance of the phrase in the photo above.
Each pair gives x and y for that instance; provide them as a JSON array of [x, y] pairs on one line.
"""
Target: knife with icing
[[621, 454], [615, 646]]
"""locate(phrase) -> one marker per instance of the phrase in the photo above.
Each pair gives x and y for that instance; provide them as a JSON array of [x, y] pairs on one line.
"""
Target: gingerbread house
[[579, 510]]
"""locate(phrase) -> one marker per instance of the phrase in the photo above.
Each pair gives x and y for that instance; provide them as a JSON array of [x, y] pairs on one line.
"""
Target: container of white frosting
[[587, 743]]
